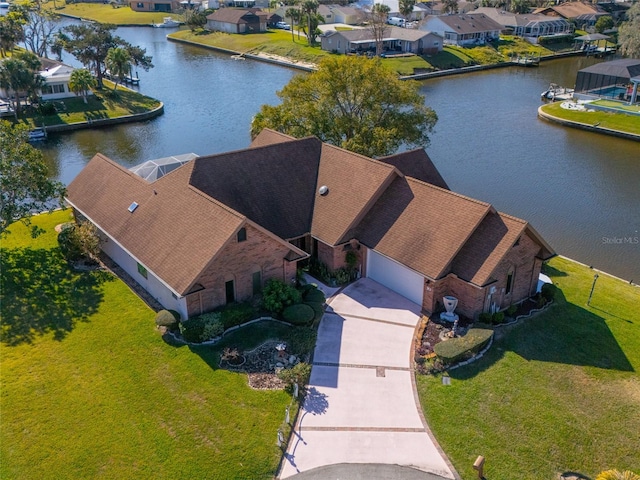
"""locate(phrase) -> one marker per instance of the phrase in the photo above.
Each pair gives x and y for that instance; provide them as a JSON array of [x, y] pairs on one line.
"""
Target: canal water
[[581, 191]]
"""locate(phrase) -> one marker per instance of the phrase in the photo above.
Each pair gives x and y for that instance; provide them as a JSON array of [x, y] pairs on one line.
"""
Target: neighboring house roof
[[622, 68], [468, 23], [236, 15], [509, 19], [274, 185], [390, 33], [571, 10]]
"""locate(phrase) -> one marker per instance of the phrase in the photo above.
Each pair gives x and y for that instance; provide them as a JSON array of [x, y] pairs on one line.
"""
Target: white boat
[[167, 22], [4, 4], [556, 93], [37, 134]]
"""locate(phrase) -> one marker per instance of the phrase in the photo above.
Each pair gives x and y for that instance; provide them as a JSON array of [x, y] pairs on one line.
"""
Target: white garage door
[[395, 276]]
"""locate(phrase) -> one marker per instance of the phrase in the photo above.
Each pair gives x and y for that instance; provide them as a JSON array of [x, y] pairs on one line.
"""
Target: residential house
[[528, 26], [463, 29], [347, 15], [396, 40], [56, 77], [237, 20], [213, 230], [438, 7], [155, 5], [584, 15]]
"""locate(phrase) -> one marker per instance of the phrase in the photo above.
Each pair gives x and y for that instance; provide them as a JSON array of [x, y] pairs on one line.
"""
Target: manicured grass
[[615, 121], [102, 13], [510, 45], [407, 65], [559, 392], [275, 42], [103, 104], [90, 389]]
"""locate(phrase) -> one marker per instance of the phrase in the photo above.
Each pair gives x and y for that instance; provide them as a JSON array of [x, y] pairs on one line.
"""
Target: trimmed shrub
[[302, 340], [300, 314], [318, 309], [79, 241], [314, 295], [459, 348], [164, 318], [237, 314], [299, 374], [512, 309], [485, 317], [342, 276], [548, 291], [498, 318], [277, 296], [202, 328]]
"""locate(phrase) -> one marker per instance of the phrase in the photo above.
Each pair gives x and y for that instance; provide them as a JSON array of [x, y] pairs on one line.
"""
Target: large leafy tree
[[19, 76], [118, 62], [604, 23], [81, 82], [90, 44], [39, 25], [378, 27], [25, 186], [449, 6], [11, 31], [629, 33], [354, 103]]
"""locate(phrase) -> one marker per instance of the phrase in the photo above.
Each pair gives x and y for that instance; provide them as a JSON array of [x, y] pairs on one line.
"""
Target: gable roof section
[[417, 164], [390, 33], [420, 225], [160, 232], [236, 15], [623, 68], [354, 183], [273, 185], [470, 23], [269, 137]]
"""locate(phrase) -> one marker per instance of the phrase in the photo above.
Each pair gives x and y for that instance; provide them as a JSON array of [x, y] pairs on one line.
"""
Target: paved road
[[362, 407]]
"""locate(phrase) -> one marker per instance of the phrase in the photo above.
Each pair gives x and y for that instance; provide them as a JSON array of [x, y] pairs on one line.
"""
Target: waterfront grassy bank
[[103, 105], [607, 122], [91, 390], [555, 393]]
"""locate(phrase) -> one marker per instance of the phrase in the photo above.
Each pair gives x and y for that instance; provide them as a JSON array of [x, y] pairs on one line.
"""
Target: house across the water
[[212, 230]]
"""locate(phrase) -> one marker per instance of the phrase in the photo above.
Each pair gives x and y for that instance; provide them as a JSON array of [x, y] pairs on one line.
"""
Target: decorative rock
[[292, 360], [279, 365]]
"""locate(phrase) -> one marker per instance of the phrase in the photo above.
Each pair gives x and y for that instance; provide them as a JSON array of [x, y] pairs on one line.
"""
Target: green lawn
[[556, 393], [102, 13], [276, 42], [615, 121], [90, 389], [103, 104]]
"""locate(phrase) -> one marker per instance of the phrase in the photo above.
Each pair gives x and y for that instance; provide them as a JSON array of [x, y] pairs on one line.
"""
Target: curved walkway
[[362, 406]]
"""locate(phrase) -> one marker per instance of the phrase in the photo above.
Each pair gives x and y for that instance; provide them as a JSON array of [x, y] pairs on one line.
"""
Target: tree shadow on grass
[[566, 334], [42, 294]]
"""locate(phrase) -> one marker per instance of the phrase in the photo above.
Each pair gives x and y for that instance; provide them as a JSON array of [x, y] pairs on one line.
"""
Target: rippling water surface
[[581, 191]]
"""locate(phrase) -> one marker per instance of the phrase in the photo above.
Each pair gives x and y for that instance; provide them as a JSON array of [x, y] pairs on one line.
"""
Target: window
[[242, 235], [140, 5], [257, 283], [142, 271], [509, 286], [230, 292]]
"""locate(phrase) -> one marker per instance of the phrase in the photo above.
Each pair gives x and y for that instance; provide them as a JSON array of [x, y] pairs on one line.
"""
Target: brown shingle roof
[[272, 185], [236, 15], [420, 225], [470, 23], [269, 137], [160, 232], [417, 164], [354, 183]]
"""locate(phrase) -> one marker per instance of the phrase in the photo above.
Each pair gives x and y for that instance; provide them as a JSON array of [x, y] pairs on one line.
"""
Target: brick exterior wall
[[472, 300], [335, 257], [522, 261], [238, 261]]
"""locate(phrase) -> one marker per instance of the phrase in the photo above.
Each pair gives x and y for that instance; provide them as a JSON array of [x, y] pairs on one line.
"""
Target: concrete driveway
[[362, 406]]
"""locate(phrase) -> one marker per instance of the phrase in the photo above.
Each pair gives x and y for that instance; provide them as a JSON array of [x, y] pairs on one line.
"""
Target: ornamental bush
[[459, 348], [237, 314], [277, 296], [314, 295], [300, 314], [299, 374], [318, 309], [202, 328], [164, 318]]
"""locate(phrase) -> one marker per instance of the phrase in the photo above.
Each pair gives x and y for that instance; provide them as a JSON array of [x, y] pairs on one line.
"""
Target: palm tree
[[406, 8], [19, 77], [81, 82], [118, 62], [378, 24]]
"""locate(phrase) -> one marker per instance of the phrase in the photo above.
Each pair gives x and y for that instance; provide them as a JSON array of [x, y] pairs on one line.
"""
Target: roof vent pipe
[[323, 190]]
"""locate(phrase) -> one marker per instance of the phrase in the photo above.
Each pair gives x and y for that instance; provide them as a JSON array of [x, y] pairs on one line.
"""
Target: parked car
[[283, 26]]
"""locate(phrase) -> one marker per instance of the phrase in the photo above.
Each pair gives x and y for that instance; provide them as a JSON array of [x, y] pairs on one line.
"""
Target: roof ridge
[[120, 168], [511, 217], [465, 197], [372, 160]]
